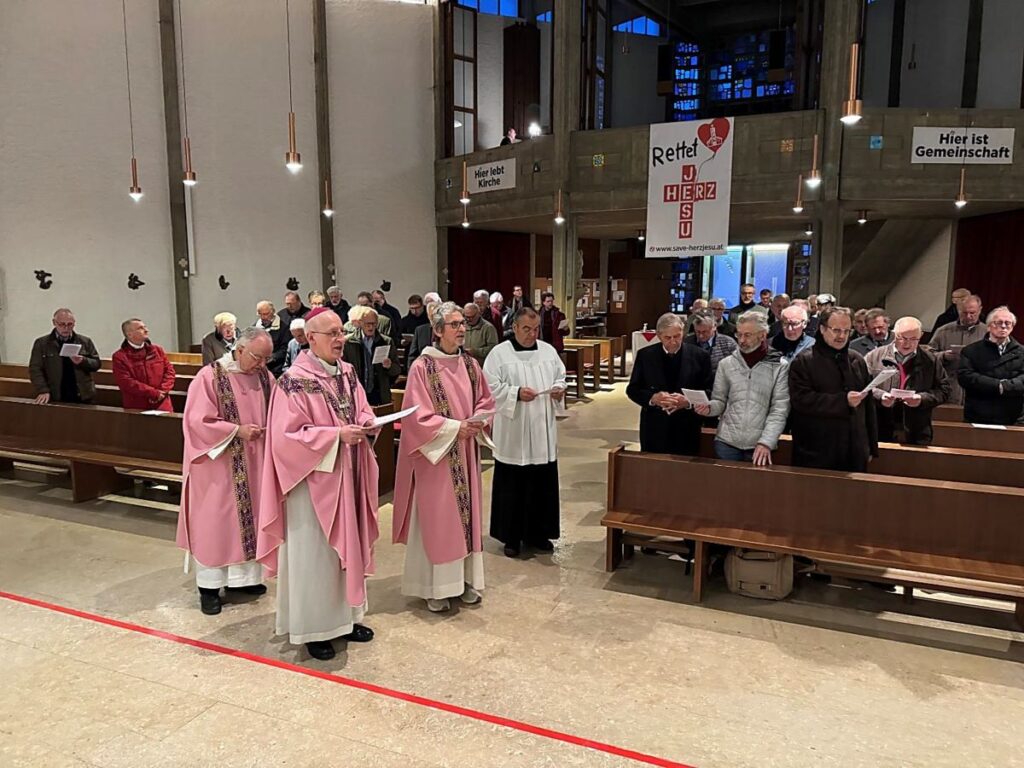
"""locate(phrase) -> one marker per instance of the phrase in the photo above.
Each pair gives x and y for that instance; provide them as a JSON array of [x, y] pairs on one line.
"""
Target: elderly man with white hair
[[224, 422], [269, 320], [668, 423], [298, 343], [336, 302], [705, 335], [793, 338], [991, 373], [908, 398], [438, 502], [221, 339], [751, 395], [496, 313]]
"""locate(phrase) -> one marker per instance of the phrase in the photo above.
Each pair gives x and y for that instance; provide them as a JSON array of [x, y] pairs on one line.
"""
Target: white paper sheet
[[380, 354], [481, 416], [988, 426], [563, 325], [902, 394], [883, 376], [155, 413], [70, 350], [696, 396], [549, 391], [380, 421]]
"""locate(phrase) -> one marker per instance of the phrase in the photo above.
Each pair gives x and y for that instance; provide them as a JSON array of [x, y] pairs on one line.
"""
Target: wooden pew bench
[[573, 371], [957, 536], [105, 394], [589, 361]]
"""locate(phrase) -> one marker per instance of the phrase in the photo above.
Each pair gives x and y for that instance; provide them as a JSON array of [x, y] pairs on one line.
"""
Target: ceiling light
[[135, 190], [188, 177], [813, 180], [641, 235], [464, 198], [809, 229], [328, 204], [465, 216], [961, 198], [533, 130], [853, 106], [559, 216], [862, 217], [292, 159], [798, 205]]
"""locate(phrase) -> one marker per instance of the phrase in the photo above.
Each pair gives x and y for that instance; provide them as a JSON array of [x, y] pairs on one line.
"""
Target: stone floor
[[835, 675]]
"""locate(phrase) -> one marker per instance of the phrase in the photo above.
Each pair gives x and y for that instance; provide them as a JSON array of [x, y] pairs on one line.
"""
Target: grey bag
[[766, 575]]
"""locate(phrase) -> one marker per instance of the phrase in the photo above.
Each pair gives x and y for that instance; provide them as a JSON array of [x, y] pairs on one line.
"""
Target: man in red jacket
[[142, 371]]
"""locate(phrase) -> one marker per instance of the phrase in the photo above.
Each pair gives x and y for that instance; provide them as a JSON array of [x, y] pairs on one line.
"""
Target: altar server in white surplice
[[527, 379]]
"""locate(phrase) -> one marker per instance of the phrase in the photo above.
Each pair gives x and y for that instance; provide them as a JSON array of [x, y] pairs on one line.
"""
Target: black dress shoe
[[321, 650], [511, 550], [209, 601], [543, 545], [252, 589], [359, 634]]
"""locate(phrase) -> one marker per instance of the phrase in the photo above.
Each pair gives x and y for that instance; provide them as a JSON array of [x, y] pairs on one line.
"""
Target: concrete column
[[603, 276], [565, 119], [842, 27]]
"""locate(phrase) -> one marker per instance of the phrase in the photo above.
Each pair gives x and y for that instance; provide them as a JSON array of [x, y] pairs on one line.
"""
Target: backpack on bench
[[765, 575]]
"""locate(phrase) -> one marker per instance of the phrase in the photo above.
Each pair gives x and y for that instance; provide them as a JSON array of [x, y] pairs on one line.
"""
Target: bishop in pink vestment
[[224, 420], [438, 495], [319, 521]]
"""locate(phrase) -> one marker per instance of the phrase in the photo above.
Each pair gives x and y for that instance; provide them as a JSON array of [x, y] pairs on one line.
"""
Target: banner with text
[[490, 177], [689, 188], [962, 146]]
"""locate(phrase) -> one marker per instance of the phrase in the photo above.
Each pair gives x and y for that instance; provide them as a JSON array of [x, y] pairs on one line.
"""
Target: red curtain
[[494, 261], [989, 252]]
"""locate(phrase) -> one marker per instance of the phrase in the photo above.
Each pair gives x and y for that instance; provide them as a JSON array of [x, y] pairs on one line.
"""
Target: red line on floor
[[380, 690]]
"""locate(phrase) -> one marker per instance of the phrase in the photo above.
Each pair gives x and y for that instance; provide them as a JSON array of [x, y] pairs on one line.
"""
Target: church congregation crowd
[[280, 475]]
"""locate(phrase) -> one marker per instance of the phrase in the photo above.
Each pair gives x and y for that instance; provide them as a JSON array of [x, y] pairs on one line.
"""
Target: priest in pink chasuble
[[438, 496], [224, 420], [319, 521]]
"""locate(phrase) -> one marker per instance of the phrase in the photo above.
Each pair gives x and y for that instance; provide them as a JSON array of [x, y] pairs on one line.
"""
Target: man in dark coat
[[991, 373], [832, 418], [61, 378], [359, 351], [904, 418], [668, 422], [952, 312]]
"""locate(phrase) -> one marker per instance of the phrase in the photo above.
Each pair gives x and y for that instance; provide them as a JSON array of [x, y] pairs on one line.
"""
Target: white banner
[[689, 188], [962, 146], [489, 177]]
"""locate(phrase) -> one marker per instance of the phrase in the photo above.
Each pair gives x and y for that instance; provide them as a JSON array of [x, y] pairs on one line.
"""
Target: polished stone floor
[[834, 676]]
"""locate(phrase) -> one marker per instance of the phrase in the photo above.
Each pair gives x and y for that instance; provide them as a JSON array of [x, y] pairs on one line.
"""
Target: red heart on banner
[[712, 135]]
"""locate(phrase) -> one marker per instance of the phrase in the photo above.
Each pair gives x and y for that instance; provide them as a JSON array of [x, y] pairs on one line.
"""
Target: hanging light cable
[[798, 204], [328, 205], [189, 177], [813, 180], [853, 106], [135, 190], [961, 198], [292, 159], [464, 199], [559, 216]]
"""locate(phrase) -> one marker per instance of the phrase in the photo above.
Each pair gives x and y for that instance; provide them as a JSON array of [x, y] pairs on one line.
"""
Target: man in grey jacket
[[751, 395], [60, 377]]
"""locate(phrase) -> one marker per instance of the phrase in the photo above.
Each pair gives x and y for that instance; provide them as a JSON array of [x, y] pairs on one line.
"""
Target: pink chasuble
[[448, 494], [307, 410], [220, 494]]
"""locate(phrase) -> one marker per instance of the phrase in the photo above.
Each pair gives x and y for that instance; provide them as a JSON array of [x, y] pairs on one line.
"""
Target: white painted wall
[[1002, 54], [64, 155], [254, 222], [635, 99], [922, 292], [382, 145]]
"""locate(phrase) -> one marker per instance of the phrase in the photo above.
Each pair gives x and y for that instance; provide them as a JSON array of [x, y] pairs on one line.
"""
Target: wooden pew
[[957, 535], [180, 369], [953, 435], [105, 394], [18, 371], [617, 350], [589, 359], [604, 363], [948, 412], [94, 440], [384, 448], [573, 364], [962, 465], [185, 358]]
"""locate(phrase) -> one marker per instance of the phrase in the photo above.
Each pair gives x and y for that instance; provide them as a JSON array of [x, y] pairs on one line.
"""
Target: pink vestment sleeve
[[201, 422]]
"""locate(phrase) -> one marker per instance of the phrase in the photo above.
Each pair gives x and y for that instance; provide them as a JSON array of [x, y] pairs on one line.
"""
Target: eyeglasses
[[1002, 323], [839, 331], [913, 339], [257, 358], [456, 324], [793, 326], [338, 334]]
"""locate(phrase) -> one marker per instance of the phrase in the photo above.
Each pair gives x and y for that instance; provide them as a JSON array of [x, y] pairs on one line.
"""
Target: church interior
[[335, 201]]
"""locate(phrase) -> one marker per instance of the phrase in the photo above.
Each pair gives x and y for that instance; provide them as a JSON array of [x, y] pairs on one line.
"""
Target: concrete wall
[[382, 145], [937, 30], [65, 151], [922, 290], [877, 53], [254, 222], [635, 99], [65, 155], [1002, 54], [491, 79]]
